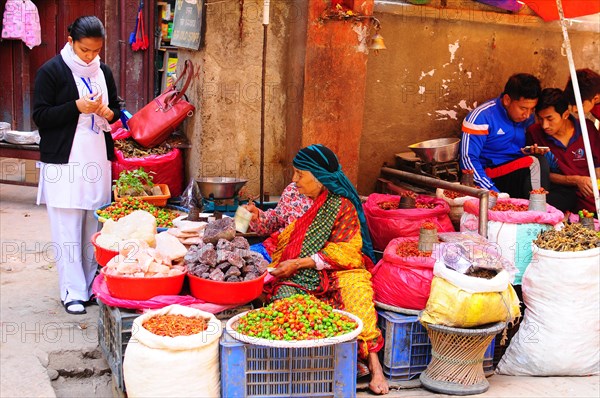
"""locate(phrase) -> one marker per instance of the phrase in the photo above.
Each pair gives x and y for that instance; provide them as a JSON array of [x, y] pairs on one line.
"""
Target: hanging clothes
[[22, 21]]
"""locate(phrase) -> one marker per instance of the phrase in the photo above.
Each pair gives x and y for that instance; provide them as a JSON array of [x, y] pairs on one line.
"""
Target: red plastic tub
[[103, 256], [131, 288], [226, 292]]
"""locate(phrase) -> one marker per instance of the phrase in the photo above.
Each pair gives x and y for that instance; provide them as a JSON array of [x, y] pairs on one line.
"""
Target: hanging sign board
[[187, 24]]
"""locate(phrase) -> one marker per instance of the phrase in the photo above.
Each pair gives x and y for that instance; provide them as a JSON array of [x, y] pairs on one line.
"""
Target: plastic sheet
[[101, 291], [385, 225]]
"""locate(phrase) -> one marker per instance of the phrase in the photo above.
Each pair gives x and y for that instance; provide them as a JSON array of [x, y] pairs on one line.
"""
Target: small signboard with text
[[187, 24]]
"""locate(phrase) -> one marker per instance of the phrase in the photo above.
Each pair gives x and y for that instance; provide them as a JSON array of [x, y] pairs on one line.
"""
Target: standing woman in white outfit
[[75, 100]]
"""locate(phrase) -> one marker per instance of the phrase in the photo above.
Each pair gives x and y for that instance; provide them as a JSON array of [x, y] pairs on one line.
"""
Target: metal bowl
[[437, 151], [220, 187]]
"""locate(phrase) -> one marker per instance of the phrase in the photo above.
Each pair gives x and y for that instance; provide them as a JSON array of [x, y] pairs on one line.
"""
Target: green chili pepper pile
[[299, 317]]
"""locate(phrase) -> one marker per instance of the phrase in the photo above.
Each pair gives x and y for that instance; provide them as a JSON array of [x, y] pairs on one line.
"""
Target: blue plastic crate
[[407, 349], [249, 370]]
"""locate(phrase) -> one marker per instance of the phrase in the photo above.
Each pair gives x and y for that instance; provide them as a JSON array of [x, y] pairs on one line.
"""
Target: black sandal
[[75, 302], [91, 301]]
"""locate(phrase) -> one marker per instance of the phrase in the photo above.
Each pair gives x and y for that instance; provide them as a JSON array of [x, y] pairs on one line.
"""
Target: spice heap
[[481, 273], [116, 210], [299, 317], [572, 238], [507, 206], [175, 325]]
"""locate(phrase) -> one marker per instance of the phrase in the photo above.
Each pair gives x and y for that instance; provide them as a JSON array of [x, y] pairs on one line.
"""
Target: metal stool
[[456, 365]]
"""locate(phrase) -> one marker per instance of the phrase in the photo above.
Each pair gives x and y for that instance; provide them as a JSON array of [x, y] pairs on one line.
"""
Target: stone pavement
[[36, 332]]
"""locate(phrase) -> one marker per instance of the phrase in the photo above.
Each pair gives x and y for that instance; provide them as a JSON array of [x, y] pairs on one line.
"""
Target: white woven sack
[[513, 240], [183, 366], [560, 332]]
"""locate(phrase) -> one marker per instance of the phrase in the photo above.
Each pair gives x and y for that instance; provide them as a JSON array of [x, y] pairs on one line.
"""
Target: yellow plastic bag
[[452, 306]]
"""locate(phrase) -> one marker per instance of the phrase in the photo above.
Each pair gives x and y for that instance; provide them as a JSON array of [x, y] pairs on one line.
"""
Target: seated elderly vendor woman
[[320, 245]]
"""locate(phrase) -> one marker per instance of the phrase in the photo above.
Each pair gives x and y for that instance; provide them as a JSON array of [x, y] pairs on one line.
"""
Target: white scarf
[[77, 66]]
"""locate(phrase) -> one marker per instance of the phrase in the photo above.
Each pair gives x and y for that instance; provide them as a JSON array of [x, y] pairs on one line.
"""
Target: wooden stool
[[456, 365]]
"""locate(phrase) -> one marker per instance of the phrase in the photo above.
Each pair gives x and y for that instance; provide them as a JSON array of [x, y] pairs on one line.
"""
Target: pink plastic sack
[[101, 291], [22, 21], [552, 216], [385, 225], [402, 282], [167, 168]]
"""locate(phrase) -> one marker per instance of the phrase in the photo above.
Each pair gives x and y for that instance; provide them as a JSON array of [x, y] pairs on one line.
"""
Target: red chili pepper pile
[[423, 205], [175, 325], [117, 210], [428, 225], [411, 249], [453, 194], [389, 205], [299, 317], [505, 206], [494, 194]]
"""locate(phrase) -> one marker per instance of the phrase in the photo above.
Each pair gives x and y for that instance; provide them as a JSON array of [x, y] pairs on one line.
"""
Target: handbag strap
[[187, 70]]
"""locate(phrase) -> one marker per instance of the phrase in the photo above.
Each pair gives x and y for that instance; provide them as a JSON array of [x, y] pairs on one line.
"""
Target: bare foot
[[378, 382]]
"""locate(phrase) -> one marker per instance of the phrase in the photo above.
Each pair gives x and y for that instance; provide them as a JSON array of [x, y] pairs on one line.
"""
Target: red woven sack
[[385, 225], [403, 282], [152, 124], [168, 168]]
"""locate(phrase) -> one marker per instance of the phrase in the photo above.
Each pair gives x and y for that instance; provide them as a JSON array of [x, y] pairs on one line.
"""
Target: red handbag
[[152, 124]]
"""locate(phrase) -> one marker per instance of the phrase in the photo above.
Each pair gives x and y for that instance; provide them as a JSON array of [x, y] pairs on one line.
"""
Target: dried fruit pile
[[423, 205], [228, 262], [175, 325], [116, 210], [411, 249], [572, 238], [507, 206], [299, 317]]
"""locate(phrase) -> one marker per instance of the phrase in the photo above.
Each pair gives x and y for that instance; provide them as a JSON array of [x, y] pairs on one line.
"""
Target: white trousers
[[72, 230]]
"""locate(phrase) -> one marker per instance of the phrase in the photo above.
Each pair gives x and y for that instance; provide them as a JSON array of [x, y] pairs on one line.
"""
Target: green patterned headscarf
[[324, 165]]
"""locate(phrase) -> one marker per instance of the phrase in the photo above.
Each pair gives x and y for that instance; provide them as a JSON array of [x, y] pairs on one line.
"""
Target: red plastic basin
[[103, 256], [131, 288], [226, 292]]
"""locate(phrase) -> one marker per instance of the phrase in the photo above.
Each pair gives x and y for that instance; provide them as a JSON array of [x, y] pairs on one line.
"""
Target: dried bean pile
[[572, 238], [227, 262]]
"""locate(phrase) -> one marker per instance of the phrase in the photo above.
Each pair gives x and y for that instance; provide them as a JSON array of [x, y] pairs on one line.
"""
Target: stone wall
[[441, 63]]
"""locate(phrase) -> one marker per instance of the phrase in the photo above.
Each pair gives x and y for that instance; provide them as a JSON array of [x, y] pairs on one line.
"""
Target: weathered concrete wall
[[225, 132], [440, 64]]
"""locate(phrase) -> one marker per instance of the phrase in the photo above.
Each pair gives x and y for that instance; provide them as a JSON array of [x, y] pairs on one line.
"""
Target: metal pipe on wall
[[482, 194]]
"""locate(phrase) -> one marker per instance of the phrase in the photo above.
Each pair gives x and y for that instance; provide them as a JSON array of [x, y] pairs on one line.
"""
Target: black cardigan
[[56, 114]]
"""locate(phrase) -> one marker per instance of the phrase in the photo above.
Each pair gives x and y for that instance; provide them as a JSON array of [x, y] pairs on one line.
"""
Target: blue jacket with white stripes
[[490, 138]]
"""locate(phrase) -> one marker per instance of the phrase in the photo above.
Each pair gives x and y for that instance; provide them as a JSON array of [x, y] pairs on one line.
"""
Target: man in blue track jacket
[[493, 138]]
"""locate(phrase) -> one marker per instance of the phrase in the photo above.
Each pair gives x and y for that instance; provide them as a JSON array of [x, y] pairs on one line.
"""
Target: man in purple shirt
[[571, 187]]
